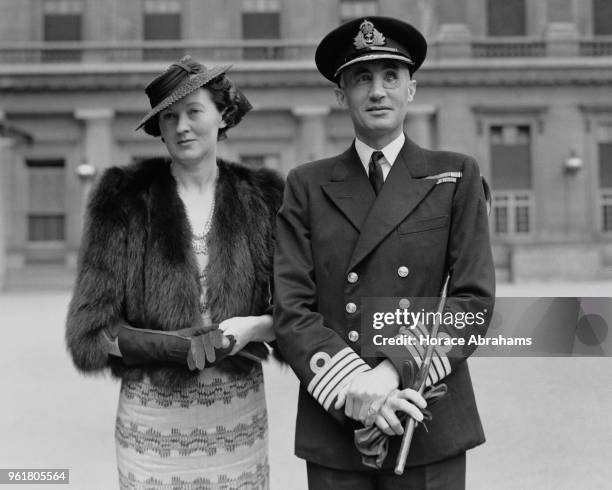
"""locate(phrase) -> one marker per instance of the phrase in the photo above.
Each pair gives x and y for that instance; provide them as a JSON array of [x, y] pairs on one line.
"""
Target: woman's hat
[[367, 39], [179, 80]]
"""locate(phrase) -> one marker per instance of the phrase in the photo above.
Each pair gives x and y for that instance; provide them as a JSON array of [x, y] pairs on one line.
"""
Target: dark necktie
[[375, 171]]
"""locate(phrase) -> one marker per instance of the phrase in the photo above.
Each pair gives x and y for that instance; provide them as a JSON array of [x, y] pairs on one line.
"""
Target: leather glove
[[196, 347]]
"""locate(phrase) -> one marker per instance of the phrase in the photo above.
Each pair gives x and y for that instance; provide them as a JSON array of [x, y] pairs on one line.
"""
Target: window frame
[[515, 200], [261, 8], [486, 117], [174, 8], [513, 195], [488, 20], [53, 8], [604, 194], [594, 17], [53, 162], [269, 159], [595, 117], [344, 7], [605, 200], [535, 18]]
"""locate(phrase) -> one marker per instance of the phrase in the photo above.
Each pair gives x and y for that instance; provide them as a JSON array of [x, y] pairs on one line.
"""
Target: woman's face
[[190, 127]]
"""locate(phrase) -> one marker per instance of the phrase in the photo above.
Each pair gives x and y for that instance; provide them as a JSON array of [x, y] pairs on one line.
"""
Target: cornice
[[593, 112], [524, 110], [535, 112], [595, 109], [445, 73]]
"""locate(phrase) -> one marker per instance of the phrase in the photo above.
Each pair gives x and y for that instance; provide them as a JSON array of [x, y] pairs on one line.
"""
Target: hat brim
[[191, 84], [373, 57]]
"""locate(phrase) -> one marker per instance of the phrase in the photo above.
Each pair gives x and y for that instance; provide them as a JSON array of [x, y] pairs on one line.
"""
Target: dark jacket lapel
[[350, 189], [403, 190]]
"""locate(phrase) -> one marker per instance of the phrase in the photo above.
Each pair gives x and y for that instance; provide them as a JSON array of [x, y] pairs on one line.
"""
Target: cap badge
[[368, 36]]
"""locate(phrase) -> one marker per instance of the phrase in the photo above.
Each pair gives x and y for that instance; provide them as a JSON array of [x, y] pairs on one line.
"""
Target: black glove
[[196, 347]]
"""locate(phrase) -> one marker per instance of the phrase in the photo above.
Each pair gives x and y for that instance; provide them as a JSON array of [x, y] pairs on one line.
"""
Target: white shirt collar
[[390, 151]]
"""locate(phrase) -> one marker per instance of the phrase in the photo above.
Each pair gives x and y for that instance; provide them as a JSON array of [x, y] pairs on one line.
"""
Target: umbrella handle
[[400, 462], [248, 355]]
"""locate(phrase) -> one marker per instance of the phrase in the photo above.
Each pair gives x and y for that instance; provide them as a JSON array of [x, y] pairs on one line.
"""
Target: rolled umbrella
[[373, 443]]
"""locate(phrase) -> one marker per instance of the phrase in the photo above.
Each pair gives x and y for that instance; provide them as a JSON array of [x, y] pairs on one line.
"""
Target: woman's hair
[[229, 100]]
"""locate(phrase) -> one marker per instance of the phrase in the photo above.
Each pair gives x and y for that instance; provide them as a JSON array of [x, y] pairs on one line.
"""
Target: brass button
[[404, 303], [353, 335], [351, 307], [403, 271], [352, 277]]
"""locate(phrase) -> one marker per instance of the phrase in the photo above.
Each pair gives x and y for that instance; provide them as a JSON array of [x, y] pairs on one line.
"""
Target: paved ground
[[547, 421]]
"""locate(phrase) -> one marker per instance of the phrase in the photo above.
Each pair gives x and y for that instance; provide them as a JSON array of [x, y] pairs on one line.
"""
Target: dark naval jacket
[[338, 244], [137, 264]]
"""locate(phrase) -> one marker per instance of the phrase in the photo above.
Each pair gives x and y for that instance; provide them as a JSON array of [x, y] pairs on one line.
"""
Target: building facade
[[525, 86]]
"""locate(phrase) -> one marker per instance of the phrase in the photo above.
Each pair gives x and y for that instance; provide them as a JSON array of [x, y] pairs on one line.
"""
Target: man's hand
[[365, 389], [408, 401]]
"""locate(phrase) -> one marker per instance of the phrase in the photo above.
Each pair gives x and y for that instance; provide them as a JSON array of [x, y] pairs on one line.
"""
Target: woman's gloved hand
[[196, 347]]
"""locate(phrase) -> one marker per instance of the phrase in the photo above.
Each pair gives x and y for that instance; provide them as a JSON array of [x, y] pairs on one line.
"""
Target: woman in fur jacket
[[173, 294]]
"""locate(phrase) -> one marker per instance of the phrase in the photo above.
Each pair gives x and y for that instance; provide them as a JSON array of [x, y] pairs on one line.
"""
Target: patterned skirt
[[209, 435]]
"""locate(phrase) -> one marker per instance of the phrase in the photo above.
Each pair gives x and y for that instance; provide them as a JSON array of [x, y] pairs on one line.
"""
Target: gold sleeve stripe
[[338, 371], [440, 366], [330, 382], [333, 394]]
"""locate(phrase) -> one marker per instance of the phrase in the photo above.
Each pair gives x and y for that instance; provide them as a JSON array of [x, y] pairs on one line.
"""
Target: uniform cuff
[[334, 375], [440, 365]]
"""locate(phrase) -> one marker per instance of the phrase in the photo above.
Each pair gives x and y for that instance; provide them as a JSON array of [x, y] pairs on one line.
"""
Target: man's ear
[[411, 89], [340, 97]]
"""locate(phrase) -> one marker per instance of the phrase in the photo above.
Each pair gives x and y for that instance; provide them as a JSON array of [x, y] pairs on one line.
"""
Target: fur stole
[[137, 264]]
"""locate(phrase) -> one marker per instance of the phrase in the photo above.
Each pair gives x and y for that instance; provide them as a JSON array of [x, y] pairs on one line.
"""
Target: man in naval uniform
[[385, 218]]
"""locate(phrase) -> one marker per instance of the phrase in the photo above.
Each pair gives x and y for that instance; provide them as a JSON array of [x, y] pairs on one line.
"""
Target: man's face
[[376, 94]]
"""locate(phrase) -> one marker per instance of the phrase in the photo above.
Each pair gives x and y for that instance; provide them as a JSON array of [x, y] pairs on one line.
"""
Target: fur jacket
[[137, 265]]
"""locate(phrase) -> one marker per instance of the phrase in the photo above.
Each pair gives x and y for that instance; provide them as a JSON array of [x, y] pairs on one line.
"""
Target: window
[[46, 200], [62, 21], [606, 211], [162, 22], [253, 161], [602, 17], [510, 150], [506, 18], [256, 161], [352, 9], [605, 184], [261, 20], [511, 157]]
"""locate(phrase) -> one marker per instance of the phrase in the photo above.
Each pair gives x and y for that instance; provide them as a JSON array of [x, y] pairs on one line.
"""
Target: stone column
[[98, 140], [418, 124], [454, 34], [561, 33], [312, 135], [5, 160], [96, 155]]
